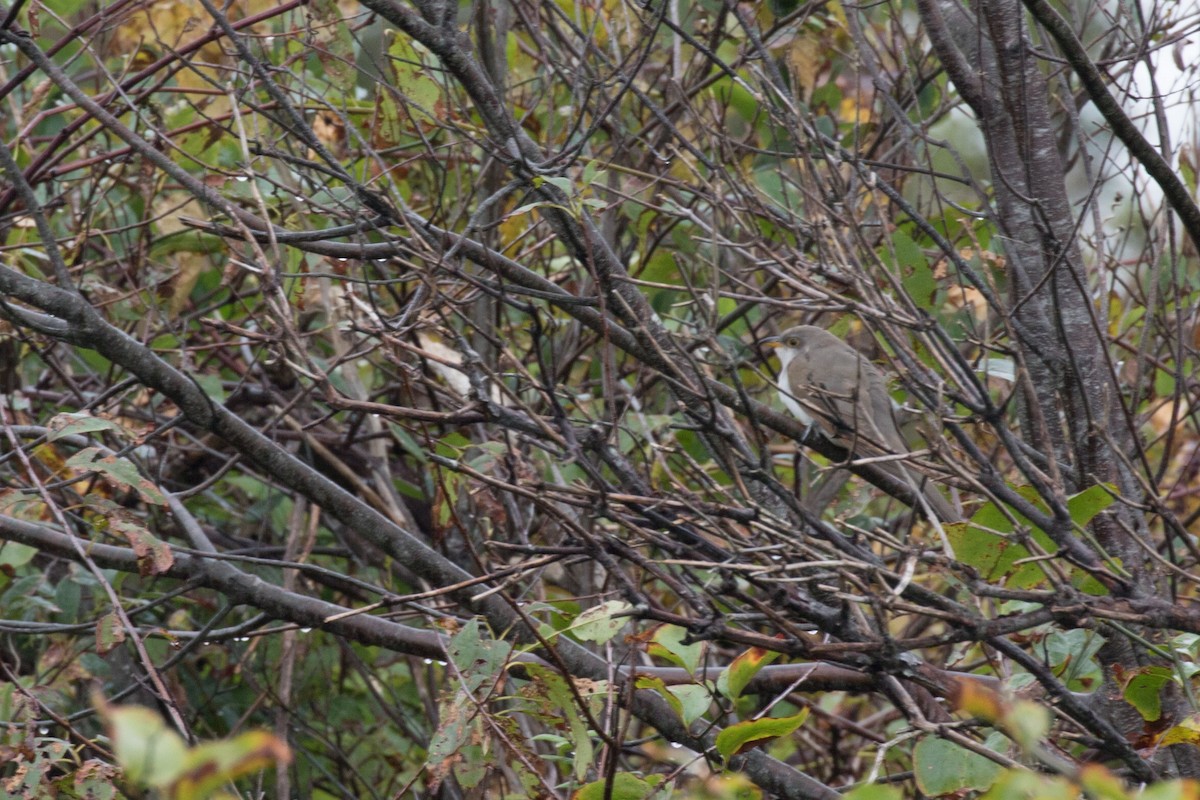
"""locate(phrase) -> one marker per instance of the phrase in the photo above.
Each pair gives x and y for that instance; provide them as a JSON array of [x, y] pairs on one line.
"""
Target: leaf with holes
[[121, 471]]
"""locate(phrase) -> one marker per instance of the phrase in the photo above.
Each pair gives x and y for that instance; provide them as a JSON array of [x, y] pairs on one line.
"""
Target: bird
[[829, 385]]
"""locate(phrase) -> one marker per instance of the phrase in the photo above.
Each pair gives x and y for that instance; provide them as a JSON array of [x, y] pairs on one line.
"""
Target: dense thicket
[[385, 394]]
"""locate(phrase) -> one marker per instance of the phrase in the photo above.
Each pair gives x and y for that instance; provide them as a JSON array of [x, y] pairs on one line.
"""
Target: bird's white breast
[[786, 354]]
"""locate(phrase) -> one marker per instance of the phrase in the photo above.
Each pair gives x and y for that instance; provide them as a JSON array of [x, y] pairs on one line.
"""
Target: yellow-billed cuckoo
[[829, 385]]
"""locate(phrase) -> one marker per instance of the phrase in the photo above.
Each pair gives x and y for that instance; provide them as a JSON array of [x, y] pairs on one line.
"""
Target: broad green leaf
[[744, 735], [1027, 723], [15, 554], [995, 555], [874, 791], [1164, 383], [209, 766], [1072, 656], [560, 701], [624, 786], [1142, 689], [414, 98], [690, 701], [1187, 171], [667, 643], [212, 385], [67, 596], [68, 424], [458, 725], [734, 678], [563, 184], [476, 657], [119, 470], [1186, 644], [149, 752], [915, 274], [472, 766], [992, 555], [1090, 502], [1024, 784], [600, 623], [1187, 789], [659, 686], [942, 767], [695, 700], [1101, 784]]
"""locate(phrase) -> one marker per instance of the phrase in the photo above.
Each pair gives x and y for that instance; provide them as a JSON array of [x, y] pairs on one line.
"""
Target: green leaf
[[563, 184], [690, 701], [600, 623], [734, 678], [478, 659], [1072, 656], [210, 765], [332, 42], [744, 735], [458, 723], [660, 686], [472, 766], [694, 700], [915, 274], [1090, 502], [1187, 171], [942, 767], [121, 471], [625, 786], [1164, 383], [874, 791], [1099, 783], [667, 643], [992, 555], [560, 702], [1023, 784], [1027, 723], [212, 385], [1143, 689], [78, 424], [15, 554], [150, 753], [414, 98]]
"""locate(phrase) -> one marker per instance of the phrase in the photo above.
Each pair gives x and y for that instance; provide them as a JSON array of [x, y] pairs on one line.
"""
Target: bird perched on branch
[[830, 386]]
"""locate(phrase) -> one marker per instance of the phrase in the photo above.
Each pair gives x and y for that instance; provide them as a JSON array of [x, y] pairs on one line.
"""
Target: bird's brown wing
[[818, 399], [849, 399], [883, 413]]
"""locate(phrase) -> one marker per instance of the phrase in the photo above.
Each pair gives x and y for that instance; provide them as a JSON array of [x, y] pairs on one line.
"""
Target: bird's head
[[789, 343]]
